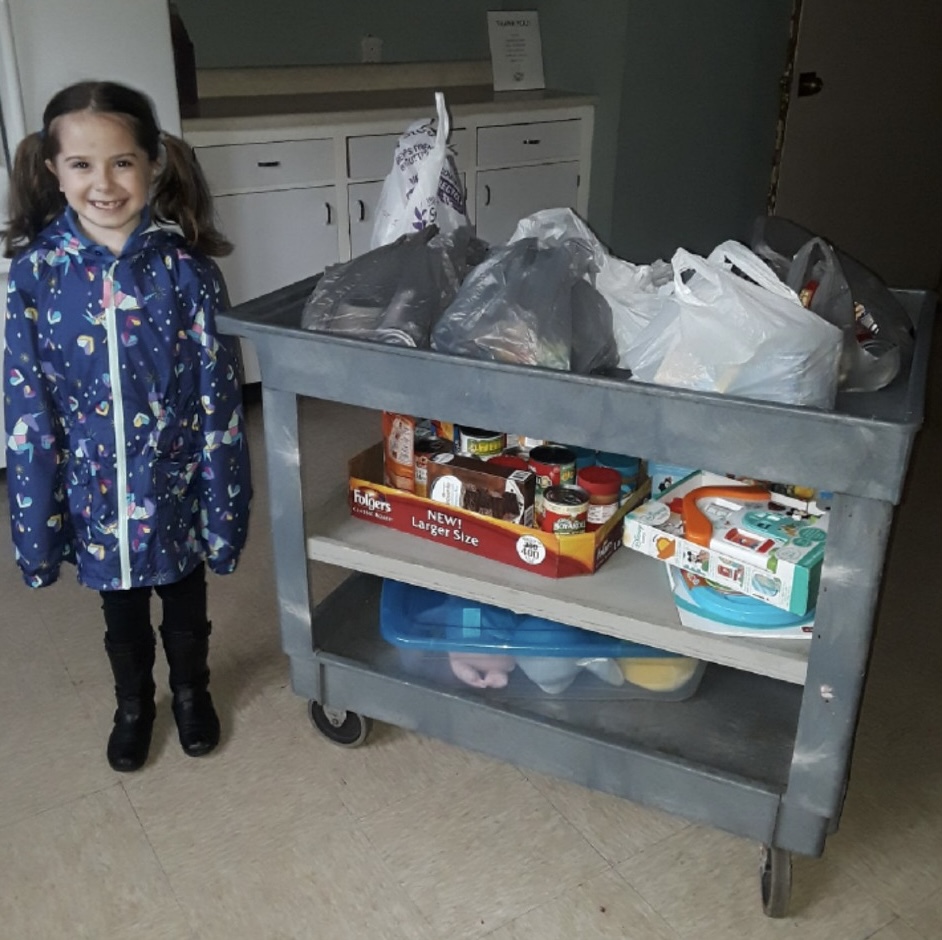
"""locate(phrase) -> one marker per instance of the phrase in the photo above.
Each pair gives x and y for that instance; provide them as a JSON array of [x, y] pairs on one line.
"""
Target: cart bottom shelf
[[721, 757]]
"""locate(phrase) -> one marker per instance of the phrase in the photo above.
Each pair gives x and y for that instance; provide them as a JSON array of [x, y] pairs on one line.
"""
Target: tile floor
[[280, 834]]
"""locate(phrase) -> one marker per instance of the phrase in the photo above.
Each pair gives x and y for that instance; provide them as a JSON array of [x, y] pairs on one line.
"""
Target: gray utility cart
[[763, 749]]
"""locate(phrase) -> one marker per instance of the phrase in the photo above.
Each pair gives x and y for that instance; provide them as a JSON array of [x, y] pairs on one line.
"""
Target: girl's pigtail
[[181, 196], [35, 199]]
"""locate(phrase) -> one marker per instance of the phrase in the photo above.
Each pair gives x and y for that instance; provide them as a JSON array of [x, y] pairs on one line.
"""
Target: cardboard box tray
[[521, 546]]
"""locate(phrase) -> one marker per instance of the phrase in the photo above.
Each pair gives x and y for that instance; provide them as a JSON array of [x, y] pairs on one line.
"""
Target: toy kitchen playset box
[[744, 537], [510, 542]]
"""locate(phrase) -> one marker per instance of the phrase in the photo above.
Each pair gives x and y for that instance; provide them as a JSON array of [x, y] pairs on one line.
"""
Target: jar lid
[[600, 481], [552, 454], [509, 460]]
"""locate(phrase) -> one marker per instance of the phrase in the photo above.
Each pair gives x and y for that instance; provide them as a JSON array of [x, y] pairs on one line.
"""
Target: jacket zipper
[[120, 444]]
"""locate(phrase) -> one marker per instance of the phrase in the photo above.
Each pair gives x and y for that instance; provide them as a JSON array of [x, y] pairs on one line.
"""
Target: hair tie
[[42, 133]]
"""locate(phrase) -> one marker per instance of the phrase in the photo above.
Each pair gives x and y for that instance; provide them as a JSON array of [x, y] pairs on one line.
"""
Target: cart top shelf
[[861, 448]]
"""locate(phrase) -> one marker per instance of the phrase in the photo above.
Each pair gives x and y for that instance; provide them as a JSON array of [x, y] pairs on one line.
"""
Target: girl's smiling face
[[103, 173]]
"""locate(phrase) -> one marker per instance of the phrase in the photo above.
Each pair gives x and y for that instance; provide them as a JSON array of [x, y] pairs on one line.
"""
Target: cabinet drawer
[[523, 143], [280, 164], [370, 157]]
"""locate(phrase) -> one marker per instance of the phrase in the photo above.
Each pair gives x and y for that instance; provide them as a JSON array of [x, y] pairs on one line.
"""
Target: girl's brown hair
[[180, 195]]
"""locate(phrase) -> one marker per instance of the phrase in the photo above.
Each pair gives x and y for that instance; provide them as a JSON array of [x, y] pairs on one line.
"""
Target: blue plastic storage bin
[[459, 641]]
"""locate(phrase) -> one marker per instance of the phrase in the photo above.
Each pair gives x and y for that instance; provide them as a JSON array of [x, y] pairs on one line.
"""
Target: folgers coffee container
[[425, 450], [565, 510], [476, 442], [603, 485], [553, 466]]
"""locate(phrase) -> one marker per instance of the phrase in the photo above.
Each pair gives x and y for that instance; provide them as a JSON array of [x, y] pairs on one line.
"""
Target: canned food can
[[476, 442], [565, 510], [553, 466]]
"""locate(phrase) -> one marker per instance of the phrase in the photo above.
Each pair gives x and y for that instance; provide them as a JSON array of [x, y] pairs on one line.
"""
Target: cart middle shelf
[[628, 597]]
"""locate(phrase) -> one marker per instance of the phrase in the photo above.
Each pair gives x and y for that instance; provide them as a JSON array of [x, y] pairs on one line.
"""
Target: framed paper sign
[[516, 50]]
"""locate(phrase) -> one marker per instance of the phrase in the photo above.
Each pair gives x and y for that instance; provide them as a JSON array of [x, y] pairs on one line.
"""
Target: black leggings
[[127, 613]]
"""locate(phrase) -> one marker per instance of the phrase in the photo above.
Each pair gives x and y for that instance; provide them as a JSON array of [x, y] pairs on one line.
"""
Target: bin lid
[[418, 618]]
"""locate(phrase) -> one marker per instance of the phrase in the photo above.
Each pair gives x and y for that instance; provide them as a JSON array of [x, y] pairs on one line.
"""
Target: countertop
[[270, 111]]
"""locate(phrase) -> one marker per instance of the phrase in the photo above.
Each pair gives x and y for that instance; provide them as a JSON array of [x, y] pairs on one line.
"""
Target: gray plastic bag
[[392, 294], [527, 303]]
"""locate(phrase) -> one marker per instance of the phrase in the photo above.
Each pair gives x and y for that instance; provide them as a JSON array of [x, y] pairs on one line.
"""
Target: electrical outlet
[[371, 49]]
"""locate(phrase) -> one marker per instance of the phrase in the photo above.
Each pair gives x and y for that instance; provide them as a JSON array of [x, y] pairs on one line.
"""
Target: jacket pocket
[[176, 487], [92, 502]]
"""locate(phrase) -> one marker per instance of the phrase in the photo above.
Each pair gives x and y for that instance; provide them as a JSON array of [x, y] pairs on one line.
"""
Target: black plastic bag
[[394, 293]]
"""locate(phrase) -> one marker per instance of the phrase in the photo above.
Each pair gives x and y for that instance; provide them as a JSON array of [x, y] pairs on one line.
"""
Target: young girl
[[125, 446]]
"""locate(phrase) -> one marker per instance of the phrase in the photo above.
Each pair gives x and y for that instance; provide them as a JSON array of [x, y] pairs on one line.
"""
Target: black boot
[[132, 665], [197, 721]]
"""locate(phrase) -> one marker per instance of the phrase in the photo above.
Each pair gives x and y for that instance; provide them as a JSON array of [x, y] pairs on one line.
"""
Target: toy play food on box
[[737, 536], [491, 490]]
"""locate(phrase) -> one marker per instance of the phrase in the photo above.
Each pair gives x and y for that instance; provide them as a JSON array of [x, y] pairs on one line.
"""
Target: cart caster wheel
[[342, 727], [775, 880]]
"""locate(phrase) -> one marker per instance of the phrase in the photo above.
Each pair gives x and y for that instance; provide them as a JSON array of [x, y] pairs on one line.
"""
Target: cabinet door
[[362, 199], [505, 196], [280, 237]]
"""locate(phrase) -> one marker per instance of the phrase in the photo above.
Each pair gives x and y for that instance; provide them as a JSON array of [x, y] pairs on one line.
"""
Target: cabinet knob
[[269, 162], [330, 217], [809, 83], [487, 195], [532, 141], [362, 206]]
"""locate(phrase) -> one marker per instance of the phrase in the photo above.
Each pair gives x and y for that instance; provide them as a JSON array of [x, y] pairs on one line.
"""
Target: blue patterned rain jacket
[[125, 445]]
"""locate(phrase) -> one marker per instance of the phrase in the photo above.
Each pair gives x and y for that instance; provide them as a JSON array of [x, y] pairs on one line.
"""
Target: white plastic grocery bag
[[742, 333], [423, 187]]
